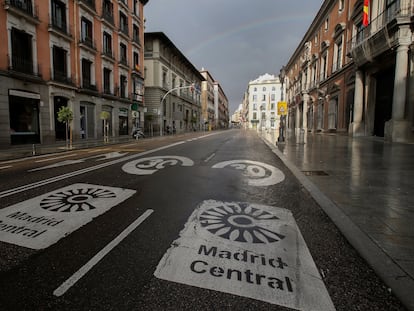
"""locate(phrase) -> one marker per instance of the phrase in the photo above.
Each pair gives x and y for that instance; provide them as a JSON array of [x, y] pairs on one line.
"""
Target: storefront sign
[[250, 250], [40, 222]]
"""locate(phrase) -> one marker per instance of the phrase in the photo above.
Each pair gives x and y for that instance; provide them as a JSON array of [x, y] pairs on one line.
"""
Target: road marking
[[40, 222], [4, 167], [210, 157], [62, 289], [249, 250], [148, 166], [13, 191], [259, 174], [56, 158]]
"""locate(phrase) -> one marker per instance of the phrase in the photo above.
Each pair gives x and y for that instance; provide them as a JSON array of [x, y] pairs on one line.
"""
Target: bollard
[[33, 149]]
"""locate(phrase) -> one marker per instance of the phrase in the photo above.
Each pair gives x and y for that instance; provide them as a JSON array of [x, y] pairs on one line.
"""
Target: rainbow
[[268, 22]]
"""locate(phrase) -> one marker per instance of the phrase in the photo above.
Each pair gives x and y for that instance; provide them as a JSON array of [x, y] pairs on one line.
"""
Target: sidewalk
[[365, 185], [23, 151]]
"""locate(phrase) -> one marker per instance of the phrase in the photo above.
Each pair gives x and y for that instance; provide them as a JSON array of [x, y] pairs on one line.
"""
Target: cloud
[[236, 40]]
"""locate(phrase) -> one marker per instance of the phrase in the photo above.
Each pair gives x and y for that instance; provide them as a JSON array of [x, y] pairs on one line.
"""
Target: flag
[[365, 13]]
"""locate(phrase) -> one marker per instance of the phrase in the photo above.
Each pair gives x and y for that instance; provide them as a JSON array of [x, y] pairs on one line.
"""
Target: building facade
[[172, 88], [207, 100], [353, 78], [84, 54], [260, 102], [221, 107]]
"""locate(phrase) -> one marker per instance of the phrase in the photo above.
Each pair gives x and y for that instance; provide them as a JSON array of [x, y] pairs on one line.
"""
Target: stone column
[[357, 126], [305, 111], [397, 129]]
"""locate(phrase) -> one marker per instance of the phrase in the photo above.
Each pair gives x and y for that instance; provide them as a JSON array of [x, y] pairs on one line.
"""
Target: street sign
[[281, 108]]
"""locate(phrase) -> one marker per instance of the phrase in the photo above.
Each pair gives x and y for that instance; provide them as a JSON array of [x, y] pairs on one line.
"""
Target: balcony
[[60, 76], [108, 54], [23, 66], [88, 4], [124, 62], [108, 16], [60, 27], [378, 36], [88, 43], [86, 85], [23, 8], [123, 30]]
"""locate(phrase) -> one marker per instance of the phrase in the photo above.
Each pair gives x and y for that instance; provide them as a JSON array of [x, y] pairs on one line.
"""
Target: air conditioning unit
[[135, 114]]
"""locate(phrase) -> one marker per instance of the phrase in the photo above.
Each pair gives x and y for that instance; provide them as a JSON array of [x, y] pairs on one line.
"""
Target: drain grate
[[315, 173]]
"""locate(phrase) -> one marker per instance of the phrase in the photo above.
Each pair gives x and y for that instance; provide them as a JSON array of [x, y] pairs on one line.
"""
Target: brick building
[[83, 54], [351, 78]]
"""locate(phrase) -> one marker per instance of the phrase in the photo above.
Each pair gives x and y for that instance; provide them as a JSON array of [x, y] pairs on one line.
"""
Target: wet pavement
[[365, 185]]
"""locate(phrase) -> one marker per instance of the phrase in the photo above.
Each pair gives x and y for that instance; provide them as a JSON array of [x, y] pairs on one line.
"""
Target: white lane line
[[210, 157], [92, 262], [81, 171], [56, 158], [4, 167]]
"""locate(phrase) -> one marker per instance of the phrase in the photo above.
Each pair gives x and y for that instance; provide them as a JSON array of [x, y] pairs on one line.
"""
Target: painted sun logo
[[239, 222], [75, 200]]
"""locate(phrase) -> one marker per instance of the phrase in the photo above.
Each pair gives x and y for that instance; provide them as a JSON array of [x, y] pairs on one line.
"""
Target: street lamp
[[191, 86], [281, 137]]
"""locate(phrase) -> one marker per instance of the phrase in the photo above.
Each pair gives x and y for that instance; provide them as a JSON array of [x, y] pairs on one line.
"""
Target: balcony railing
[[24, 6], [108, 15], [59, 25], [61, 76], [89, 3], [21, 64], [86, 84], [123, 61], [89, 42], [404, 10], [124, 30]]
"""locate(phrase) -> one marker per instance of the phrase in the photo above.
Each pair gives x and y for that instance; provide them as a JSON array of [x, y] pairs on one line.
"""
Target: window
[[108, 11], [86, 31], [254, 106], [327, 24], [341, 5], [254, 115], [136, 7], [107, 44], [123, 86], [136, 61], [59, 64], [86, 73], [107, 80], [254, 98], [123, 53], [324, 64], [135, 34], [123, 23], [58, 15], [264, 89], [264, 95], [22, 58], [337, 55]]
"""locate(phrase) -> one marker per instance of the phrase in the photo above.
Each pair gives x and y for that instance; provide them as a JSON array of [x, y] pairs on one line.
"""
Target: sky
[[235, 40]]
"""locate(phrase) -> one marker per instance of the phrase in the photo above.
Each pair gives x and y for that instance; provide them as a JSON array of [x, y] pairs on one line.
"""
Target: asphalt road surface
[[205, 221]]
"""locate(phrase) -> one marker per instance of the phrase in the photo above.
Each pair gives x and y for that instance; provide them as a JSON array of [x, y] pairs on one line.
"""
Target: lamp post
[[281, 137], [191, 86]]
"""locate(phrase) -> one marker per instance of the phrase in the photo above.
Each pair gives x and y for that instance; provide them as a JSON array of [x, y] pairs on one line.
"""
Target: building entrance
[[383, 102]]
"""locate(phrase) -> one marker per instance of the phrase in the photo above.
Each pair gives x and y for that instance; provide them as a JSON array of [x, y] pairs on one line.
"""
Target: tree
[[65, 115]]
